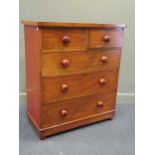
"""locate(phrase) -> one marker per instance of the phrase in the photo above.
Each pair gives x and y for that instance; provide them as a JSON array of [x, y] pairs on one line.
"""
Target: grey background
[[97, 11]]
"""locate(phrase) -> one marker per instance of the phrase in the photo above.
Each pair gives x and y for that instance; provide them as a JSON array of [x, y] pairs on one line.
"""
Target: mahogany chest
[[71, 73]]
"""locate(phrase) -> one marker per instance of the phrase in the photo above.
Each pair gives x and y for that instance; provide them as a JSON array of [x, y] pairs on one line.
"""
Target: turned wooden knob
[[63, 112], [102, 81], [65, 39], [106, 38], [64, 87], [65, 63], [104, 59], [100, 104]]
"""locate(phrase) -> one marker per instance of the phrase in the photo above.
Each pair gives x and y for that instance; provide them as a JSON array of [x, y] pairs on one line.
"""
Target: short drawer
[[58, 113], [63, 39], [64, 87], [63, 63], [105, 38]]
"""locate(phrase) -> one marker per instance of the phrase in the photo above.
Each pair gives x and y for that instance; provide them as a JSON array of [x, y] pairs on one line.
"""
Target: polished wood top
[[60, 24]]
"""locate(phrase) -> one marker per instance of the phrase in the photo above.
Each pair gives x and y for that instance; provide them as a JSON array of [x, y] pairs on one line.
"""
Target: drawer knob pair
[[64, 112], [106, 38], [100, 104], [65, 63], [66, 40]]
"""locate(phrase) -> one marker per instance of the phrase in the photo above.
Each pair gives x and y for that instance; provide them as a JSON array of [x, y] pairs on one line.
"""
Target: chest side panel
[[32, 54]]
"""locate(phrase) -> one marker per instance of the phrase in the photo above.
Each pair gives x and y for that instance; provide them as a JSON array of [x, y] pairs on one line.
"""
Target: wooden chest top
[[76, 25]]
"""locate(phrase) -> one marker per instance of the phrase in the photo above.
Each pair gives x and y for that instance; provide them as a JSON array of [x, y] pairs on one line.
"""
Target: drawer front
[[64, 87], [63, 39], [78, 62], [105, 38], [69, 110]]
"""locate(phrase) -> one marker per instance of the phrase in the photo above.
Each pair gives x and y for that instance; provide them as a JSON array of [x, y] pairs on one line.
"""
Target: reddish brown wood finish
[[75, 25], [45, 132], [105, 38], [104, 59], [64, 87], [100, 104], [71, 73], [65, 63], [76, 109], [32, 47], [64, 39], [79, 62]]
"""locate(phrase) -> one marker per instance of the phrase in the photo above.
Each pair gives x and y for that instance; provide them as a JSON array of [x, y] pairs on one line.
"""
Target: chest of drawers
[[71, 73]]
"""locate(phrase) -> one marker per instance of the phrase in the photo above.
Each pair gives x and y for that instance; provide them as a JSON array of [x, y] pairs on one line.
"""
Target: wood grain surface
[[76, 108], [32, 55], [96, 38], [78, 85], [79, 62], [76, 25], [52, 39]]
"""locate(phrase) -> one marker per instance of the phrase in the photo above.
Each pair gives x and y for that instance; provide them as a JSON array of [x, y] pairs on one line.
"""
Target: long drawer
[[63, 63], [64, 87], [61, 112]]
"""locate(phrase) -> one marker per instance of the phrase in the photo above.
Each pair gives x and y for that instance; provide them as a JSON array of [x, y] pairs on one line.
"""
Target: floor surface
[[112, 137]]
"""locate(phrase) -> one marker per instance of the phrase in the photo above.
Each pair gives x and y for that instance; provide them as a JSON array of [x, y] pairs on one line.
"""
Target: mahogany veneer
[[71, 73]]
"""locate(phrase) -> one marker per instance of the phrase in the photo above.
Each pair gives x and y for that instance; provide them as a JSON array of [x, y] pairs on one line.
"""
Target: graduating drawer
[[63, 63], [64, 87], [63, 39], [107, 38], [57, 113]]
